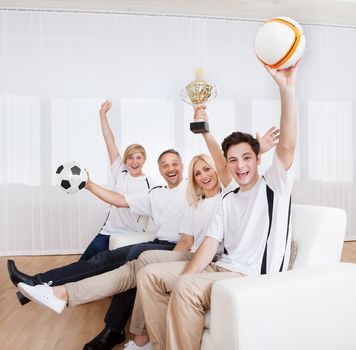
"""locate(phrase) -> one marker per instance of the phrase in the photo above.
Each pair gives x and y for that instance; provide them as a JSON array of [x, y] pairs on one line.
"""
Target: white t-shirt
[[165, 206], [197, 219], [124, 220], [242, 223]]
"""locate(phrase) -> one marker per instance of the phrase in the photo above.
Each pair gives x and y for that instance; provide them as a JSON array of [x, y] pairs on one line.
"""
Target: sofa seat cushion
[[125, 239]]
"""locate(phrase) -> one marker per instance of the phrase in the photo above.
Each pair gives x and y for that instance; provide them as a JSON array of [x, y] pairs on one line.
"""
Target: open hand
[[284, 77], [268, 140]]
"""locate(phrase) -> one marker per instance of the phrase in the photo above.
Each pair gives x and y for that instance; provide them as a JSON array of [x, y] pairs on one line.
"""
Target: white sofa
[[311, 307]]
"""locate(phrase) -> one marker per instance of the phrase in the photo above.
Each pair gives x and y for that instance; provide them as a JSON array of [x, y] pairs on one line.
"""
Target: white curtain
[[57, 67]]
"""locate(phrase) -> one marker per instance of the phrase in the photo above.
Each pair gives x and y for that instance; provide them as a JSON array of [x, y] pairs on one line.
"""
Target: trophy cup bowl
[[198, 92]]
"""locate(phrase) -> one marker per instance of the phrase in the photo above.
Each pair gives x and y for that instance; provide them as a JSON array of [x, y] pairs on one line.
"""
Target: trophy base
[[199, 127]]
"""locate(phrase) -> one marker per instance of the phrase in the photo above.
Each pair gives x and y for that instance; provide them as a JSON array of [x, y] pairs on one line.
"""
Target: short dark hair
[[171, 150], [238, 137]]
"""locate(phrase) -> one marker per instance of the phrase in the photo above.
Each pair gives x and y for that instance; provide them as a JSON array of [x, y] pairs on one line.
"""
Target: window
[[265, 114], [76, 135], [149, 122], [330, 141], [20, 140]]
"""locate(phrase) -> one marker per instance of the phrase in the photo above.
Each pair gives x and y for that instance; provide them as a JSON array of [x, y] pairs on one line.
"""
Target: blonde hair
[[131, 149], [194, 192]]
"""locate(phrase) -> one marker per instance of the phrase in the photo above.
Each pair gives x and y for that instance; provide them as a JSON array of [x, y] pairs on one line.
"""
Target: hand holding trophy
[[198, 92], [200, 115]]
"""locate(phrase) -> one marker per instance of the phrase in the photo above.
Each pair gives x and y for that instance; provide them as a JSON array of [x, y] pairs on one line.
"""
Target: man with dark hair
[[239, 137], [253, 222]]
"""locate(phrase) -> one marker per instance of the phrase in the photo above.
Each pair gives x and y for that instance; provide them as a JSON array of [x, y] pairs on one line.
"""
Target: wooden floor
[[32, 327]]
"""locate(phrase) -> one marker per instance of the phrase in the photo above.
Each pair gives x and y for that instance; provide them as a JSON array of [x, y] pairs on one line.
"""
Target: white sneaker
[[131, 345], [42, 294]]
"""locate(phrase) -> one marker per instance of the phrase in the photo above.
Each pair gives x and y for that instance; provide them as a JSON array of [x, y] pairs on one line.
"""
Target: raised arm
[[285, 79], [110, 197], [111, 146], [214, 148], [267, 141]]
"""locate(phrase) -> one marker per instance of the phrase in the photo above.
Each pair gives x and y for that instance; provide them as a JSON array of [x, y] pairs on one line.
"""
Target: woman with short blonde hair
[[131, 150]]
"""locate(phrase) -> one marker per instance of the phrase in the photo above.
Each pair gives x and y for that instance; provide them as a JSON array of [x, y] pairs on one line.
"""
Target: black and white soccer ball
[[71, 177]]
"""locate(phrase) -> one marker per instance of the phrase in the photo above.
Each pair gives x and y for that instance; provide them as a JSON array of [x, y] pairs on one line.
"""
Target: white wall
[[57, 67]]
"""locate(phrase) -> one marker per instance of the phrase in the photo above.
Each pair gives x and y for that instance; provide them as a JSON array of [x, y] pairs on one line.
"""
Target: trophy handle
[[213, 94], [184, 96]]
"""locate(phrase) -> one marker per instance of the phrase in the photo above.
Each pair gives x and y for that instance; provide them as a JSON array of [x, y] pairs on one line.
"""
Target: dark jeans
[[122, 304], [104, 261], [97, 245]]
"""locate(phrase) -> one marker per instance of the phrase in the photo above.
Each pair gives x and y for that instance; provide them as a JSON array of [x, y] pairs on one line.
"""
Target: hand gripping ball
[[280, 42], [71, 177]]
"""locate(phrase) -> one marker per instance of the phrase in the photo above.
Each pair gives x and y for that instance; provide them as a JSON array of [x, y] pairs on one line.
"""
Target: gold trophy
[[198, 92]]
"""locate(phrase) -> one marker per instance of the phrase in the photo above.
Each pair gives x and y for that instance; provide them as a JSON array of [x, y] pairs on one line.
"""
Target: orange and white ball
[[280, 42]]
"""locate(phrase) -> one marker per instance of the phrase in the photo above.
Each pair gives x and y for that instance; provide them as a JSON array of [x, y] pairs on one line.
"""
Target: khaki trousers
[[119, 281], [175, 304], [138, 325]]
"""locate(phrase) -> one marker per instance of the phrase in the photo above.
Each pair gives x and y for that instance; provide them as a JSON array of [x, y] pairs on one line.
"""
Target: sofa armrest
[[313, 308]]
